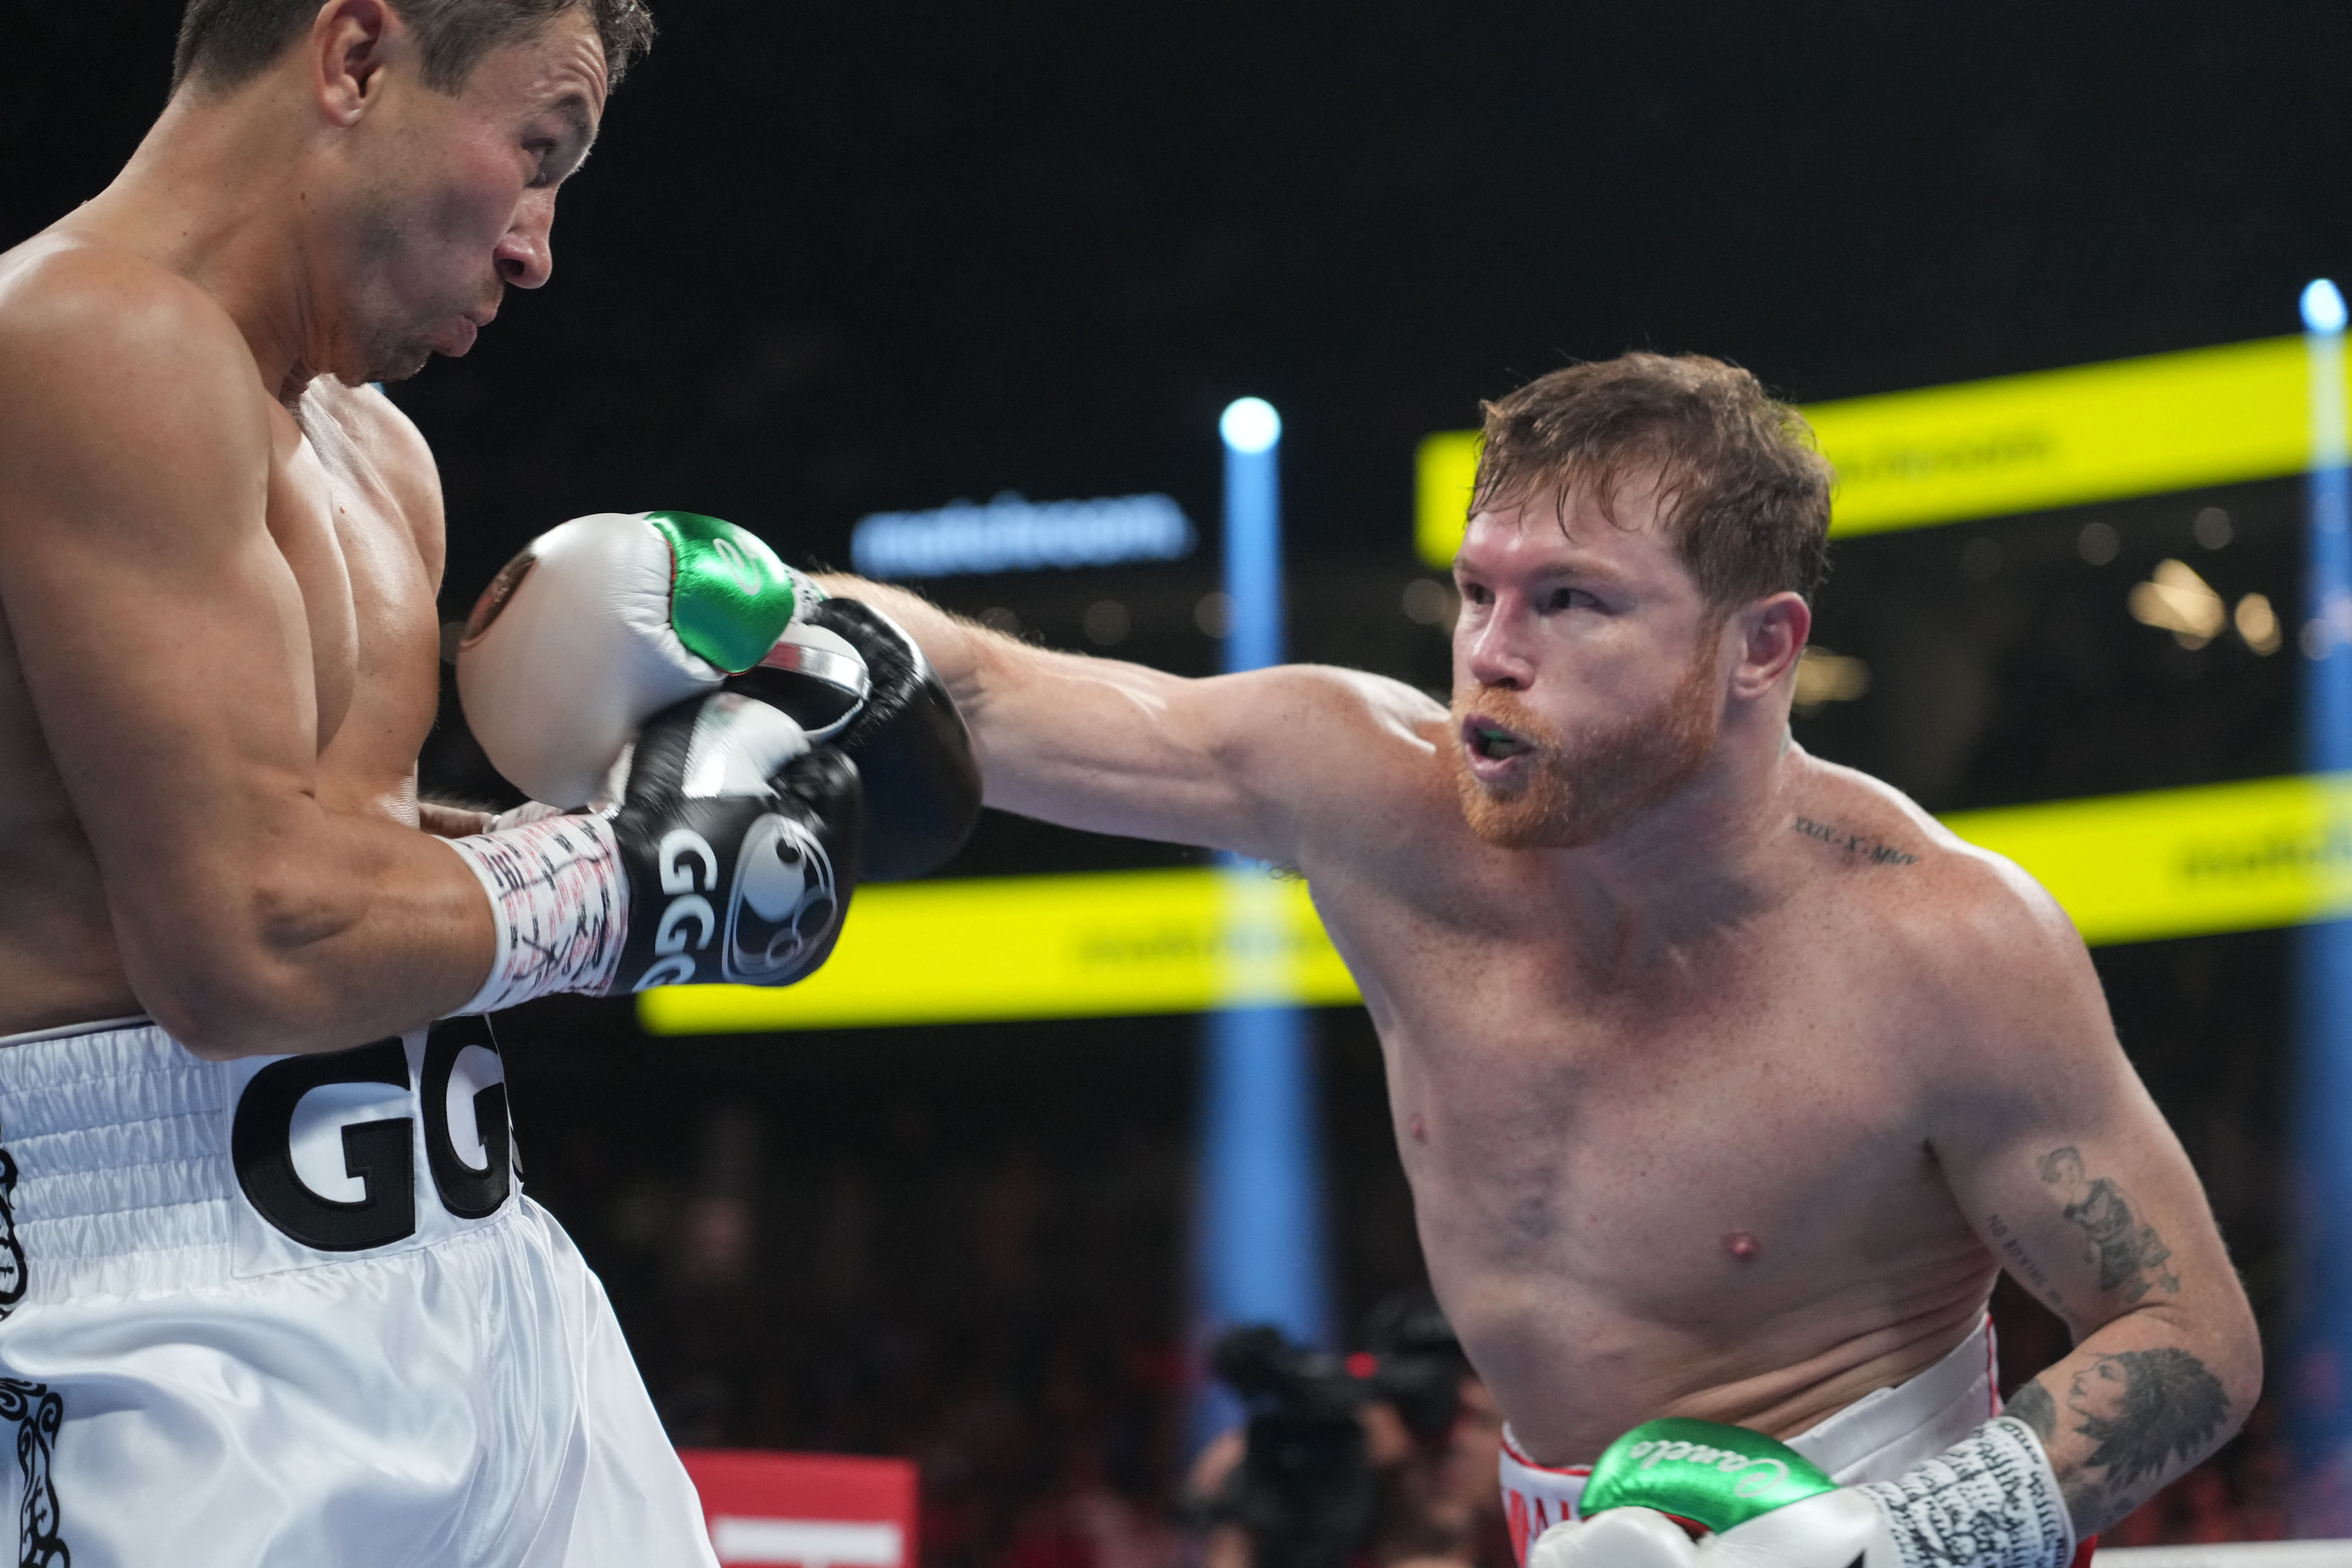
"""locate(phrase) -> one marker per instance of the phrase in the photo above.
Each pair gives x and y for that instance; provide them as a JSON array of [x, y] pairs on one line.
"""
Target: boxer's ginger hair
[[1743, 489], [225, 43]]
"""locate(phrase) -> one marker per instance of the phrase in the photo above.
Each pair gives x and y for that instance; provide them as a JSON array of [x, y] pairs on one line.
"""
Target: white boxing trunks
[[295, 1310], [1875, 1438]]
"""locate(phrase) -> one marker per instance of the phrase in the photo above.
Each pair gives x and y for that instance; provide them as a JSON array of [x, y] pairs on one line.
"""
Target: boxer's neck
[[1711, 854], [229, 192]]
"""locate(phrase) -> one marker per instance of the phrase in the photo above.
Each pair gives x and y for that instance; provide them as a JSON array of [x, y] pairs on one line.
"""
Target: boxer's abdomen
[[58, 959]]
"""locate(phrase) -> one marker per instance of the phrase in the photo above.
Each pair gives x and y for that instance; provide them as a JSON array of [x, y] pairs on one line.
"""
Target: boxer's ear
[[348, 46], [1772, 635]]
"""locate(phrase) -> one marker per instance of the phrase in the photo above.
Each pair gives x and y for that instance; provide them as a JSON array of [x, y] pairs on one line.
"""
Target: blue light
[[1010, 534], [2323, 307], [1251, 425], [2319, 1411], [1263, 1252]]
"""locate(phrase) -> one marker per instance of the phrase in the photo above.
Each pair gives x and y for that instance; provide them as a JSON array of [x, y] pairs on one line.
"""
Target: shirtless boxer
[[1727, 1081], [268, 1293]]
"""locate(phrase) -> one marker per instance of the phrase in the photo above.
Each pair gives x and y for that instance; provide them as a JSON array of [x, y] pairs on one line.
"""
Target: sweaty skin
[[1735, 1111], [219, 548]]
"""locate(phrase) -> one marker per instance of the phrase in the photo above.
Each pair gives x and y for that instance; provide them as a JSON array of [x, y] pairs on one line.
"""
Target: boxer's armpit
[[2130, 1256]]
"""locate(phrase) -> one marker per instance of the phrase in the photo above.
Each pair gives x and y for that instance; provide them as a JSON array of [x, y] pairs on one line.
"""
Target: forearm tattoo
[[2130, 1256], [2147, 1413], [2033, 1405]]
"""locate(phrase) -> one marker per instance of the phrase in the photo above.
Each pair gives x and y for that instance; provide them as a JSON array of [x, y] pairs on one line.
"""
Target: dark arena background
[[829, 262]]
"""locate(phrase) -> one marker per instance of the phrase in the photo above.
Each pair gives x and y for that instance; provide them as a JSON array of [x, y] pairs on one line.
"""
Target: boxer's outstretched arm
[[167, 650], [2069, 1174], [1232, 762]]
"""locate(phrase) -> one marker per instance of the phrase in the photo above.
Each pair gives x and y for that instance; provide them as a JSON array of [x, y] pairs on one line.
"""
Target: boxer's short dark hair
[[226, 42], [1745, 491]]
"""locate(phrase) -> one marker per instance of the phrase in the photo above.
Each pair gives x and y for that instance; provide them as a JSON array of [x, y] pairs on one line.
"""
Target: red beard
[[1572, 793]]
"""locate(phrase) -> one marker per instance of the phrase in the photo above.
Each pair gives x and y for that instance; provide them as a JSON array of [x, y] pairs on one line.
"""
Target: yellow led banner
[[2185, 862], [1443, 469], [2016, 443], [1094, 945], [2132, 868]]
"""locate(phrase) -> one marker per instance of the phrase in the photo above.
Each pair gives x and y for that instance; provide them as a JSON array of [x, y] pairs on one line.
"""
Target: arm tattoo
[[2145, 1409], [2033, 1405], [2022, 1265], [1876, 851], [2130, 1256]]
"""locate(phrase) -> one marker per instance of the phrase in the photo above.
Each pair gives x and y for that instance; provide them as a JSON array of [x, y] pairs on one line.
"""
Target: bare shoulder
[[1861, 824], [1373, 707], [1987, 953], [1330, 731], [53, 286], [1345, 761], [103, 355]]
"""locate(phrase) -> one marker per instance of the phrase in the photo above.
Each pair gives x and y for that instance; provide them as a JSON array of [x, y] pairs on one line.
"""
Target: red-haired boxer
[[1727, 1081], [269, 1293]]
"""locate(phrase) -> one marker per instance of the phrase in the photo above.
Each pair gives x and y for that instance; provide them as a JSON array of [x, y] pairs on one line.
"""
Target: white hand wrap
[[1989, 1501], [560, 902]]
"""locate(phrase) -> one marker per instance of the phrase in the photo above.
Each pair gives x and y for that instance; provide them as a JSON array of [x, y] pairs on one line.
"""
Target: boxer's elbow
[[2216, 1331], [2237, 1343], [243, 977]]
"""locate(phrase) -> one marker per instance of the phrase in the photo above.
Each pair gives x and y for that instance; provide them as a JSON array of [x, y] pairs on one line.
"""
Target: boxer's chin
[[1602, 783], [390, 362], [1563, 804]]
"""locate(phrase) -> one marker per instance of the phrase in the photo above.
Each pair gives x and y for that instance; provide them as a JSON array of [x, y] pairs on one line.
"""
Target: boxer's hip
[[1875, 1438], [296, 1309], [133, 1166]]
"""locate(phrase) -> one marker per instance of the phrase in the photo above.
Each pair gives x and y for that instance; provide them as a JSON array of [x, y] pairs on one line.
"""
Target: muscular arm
[[2071, 1176], [1234, 761], [166, 648]]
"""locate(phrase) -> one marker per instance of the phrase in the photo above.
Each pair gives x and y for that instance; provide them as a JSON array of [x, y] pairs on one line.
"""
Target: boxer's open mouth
[[1491, 741]]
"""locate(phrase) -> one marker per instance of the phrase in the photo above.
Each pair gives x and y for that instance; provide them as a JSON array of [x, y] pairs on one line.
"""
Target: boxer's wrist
[[560, 905], [522, 816], [1989, 1501]]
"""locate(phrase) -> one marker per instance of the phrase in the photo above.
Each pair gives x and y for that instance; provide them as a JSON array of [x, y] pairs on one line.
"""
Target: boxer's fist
[[912, 751], [739, 844], [1759, 1503], [604, 621]]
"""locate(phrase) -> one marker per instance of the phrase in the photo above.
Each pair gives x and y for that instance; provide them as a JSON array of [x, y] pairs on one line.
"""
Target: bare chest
[[367, 600], [1730, 1130]]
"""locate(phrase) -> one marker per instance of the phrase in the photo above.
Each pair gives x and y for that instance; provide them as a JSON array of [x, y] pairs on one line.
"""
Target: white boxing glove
[[1616, 1538], [1988, 1501], [608, 619]]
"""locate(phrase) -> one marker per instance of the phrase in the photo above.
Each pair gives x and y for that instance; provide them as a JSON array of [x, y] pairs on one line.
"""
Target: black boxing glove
[[912, 751], [738, 871], [731, 856]]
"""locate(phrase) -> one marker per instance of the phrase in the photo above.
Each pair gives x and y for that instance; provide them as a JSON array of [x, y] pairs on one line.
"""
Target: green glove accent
[[731, 598], [1704, 1471]]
